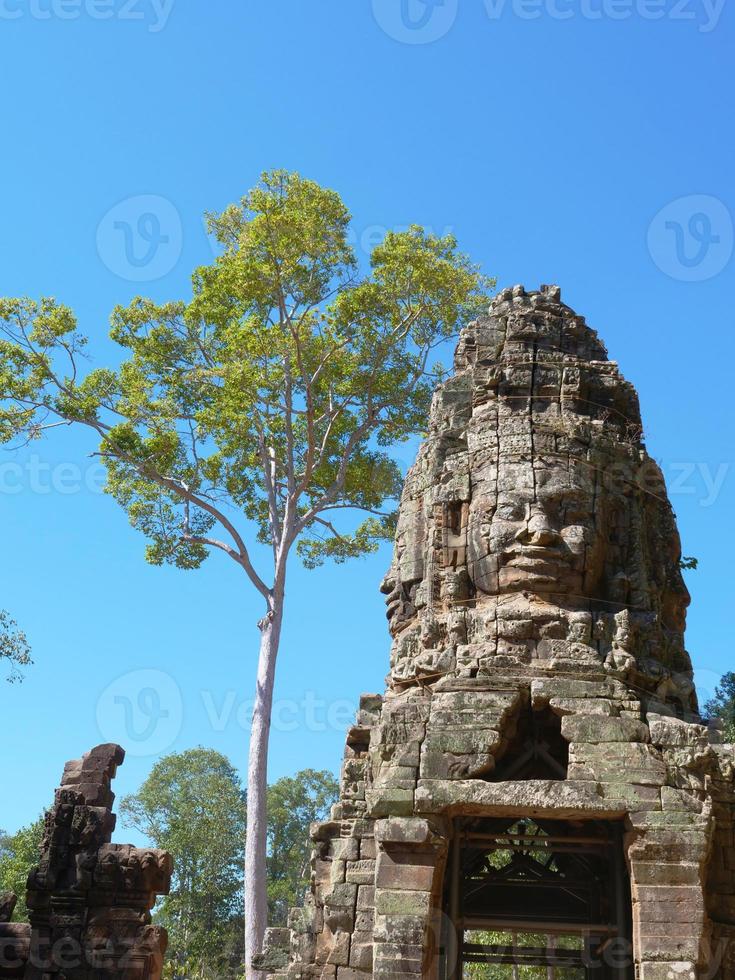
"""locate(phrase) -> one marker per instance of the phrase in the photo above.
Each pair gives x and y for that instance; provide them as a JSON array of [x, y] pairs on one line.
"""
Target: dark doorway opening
[[537, 899], [537, 749]]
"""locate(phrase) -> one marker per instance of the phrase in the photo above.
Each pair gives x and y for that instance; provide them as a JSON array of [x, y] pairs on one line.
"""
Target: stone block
[[406, 870], [676, 733], [670, 970], [545, 688], [638, 761], [345, 849], [389, 901], [360, 872], [634, 797], [671, 820], [408, 929], [366, 898], [342, 896], [677, 799], [390, 800], [539, 797], [364, 921], [349, 973], [659, 873], [402, 777], [403, 830], [361, 951], [339, 952], [666, 845], [398, 960], [599, 730], [583, 706], [474, 710]]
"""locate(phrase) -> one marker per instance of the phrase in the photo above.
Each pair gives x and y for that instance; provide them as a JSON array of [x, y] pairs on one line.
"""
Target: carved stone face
[[400, 598], [542, 531]]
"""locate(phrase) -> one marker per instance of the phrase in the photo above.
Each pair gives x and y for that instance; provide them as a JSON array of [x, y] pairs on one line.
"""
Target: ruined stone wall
[[89, 900], [537, 668]]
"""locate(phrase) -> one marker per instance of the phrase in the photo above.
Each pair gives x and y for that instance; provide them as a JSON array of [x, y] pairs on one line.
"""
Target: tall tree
[[294, 802], [192, 804], [19, 853], [265, 406], [722, 705], [14, 648]]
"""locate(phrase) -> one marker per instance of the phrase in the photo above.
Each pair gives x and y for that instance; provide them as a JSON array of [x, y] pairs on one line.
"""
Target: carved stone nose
[[538, 531], [543, 535]]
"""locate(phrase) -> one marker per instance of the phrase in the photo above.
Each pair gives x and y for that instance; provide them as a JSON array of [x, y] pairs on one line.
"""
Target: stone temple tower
[[535, 794]]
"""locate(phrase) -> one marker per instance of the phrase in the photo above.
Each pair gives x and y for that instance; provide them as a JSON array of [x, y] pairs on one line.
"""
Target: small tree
[[294, 802], [14, 648], [265, 406], [192, 804], [722, 705], [19, 853]]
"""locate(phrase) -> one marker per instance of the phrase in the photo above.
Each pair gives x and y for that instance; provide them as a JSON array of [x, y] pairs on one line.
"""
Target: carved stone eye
[[509, 512]]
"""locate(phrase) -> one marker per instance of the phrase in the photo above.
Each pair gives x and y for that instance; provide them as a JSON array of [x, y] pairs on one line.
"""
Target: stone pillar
[[89, 900], [408, 884]]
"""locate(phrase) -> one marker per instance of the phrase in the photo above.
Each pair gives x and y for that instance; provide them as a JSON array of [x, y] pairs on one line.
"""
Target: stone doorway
[[547, 899]]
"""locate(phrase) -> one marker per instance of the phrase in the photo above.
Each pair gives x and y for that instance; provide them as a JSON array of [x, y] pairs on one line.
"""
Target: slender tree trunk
[[256, 895]]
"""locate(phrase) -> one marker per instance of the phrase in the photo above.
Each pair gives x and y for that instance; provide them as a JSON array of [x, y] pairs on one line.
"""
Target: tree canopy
[[294, 802], [192, 804], [15, 651], [722, 705], [276, 390], [19, 853]]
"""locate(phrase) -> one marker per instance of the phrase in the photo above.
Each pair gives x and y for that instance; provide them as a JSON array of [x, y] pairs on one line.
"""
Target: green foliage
[[493, 971], [274, 394], [294, 802], [722, 705], [192, 804], [19, 853], [688, 563], [14, 647]]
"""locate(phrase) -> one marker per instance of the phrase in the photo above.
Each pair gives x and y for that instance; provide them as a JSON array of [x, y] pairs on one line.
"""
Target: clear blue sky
[[548, 143]]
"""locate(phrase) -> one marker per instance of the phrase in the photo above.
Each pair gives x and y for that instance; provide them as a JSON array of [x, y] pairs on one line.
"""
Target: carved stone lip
[[534, 555], [393, 605]]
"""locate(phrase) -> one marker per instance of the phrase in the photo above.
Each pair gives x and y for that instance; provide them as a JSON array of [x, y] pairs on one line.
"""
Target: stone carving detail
[[89, 900], [538, 668], [533, 501]]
